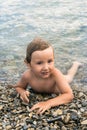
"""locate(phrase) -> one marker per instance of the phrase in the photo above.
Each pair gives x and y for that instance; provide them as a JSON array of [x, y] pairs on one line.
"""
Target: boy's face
[[42, 63]]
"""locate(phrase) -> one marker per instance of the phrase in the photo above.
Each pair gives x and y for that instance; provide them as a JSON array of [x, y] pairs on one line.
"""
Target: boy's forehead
[[40, 53]]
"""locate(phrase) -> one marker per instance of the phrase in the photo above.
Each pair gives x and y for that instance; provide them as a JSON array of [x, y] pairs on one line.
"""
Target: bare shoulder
[[57, 72], [24, 80], [26, 75]]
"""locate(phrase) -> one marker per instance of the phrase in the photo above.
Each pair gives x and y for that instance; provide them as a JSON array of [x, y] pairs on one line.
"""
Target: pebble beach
[[16, 115]]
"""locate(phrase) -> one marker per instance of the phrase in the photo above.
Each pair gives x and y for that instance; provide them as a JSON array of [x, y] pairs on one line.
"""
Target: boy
[[42, 76]]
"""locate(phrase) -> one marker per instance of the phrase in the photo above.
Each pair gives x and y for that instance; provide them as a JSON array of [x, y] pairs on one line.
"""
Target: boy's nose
[[46, 67]]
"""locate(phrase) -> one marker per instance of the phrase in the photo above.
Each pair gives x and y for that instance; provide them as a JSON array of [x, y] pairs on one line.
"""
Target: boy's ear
[[27, 64]]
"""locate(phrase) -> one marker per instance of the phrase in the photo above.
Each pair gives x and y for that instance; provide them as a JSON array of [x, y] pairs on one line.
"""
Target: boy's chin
[[45, 76]]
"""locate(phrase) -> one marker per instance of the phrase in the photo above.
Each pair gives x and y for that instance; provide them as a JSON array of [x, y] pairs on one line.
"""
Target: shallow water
[[62, 22]]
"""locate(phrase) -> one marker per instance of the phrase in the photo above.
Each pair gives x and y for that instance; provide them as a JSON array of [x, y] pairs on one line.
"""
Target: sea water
[[61, 22]]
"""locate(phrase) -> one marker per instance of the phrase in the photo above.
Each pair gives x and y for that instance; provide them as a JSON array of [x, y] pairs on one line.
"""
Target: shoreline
[[11, 72]]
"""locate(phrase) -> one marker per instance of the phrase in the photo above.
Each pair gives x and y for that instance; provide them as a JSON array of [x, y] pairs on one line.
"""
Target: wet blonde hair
[[36, 45]]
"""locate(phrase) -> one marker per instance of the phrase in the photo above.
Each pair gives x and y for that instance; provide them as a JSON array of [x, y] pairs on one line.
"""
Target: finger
[[39, 111], [26, 98], [35, 107], [27, 93], [21, 98], [42, 111]]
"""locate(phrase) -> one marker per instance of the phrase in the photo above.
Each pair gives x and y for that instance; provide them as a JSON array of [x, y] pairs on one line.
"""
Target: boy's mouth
[[45, 73]]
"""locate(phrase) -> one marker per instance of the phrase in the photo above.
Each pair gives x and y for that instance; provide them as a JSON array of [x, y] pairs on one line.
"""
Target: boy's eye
[[49, 61], [39, 62]]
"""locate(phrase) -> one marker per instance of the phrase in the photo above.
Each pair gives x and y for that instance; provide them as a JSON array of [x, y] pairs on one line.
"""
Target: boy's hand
[[24, 96], [41, 107]]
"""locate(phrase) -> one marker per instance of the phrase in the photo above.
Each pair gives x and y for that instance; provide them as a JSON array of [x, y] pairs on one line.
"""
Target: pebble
[[84, 122], [57, 112], [63, 128], [67, 118], [1, 107], [8, 127], [80, 94]]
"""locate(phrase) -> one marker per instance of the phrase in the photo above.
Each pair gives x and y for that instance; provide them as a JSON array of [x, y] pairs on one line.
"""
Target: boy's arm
[[20, 87], [64, 88]]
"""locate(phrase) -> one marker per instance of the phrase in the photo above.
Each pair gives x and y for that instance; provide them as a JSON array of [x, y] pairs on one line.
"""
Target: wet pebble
[[84, 122]]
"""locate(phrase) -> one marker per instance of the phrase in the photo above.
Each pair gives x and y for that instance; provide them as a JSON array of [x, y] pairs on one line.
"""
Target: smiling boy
[[43, 76]]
